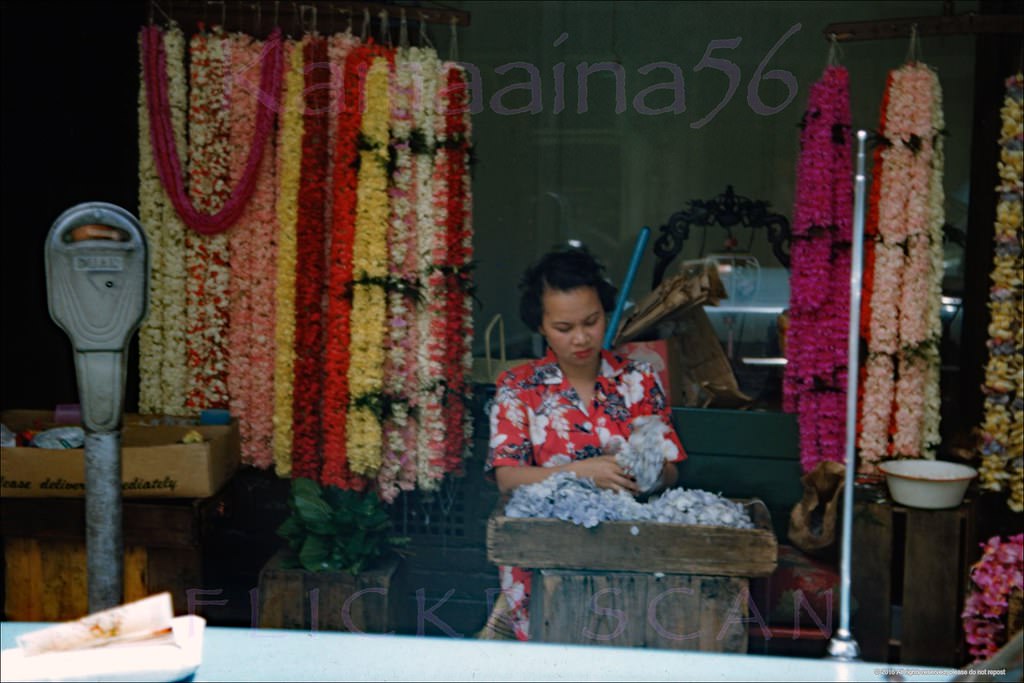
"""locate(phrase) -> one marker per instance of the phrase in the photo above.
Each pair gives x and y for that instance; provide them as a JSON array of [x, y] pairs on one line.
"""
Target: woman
[[570, 410]]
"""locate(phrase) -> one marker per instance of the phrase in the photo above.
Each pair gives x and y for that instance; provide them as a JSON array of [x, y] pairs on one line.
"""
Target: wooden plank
[[723, 609], [282, 597], [589, 608], [136, 573], [65, 577], [294, 598], [351, 603], [23, 575], [632, 546], [673, 612], [871, 579], [177, 570], [931, 588]]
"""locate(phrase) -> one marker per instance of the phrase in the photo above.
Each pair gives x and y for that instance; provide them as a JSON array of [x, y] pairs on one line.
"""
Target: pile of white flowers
[[566, 497], [645, 453]]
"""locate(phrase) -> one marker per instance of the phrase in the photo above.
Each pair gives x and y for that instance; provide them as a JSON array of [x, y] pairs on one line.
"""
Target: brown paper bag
[[706, 378], [812, 522]]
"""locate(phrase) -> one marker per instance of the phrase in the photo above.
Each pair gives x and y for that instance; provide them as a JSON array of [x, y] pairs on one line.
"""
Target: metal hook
[[835, 53], [348, 11], [403, 31], [385, 34], [277, 5], [150, 12], [424, 38], [258, 25], [453, 47], [303, 23], [914, 49], [366, 24]]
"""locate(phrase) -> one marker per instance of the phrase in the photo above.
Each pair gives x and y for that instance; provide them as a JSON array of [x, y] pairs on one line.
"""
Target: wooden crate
[[638, 584], [631, 609], [909, 581], [294, 598], [636, 546], [45, 556]]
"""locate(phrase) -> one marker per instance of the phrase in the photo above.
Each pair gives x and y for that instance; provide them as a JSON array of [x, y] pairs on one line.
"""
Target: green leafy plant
[[332, 529]]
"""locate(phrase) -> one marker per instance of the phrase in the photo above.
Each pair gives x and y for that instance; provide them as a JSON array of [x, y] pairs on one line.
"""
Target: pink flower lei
[[814, 383]]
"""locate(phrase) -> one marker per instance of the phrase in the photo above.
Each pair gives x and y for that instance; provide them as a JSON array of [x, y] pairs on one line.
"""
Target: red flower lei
[[456, 151], [310, 233]]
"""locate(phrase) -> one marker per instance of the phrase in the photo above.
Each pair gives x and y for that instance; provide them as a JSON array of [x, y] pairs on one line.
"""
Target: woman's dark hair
[[562, 270]]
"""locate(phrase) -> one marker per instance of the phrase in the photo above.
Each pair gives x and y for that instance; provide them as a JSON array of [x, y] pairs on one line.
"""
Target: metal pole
[[627, 284], [843, 646], [104, 547]]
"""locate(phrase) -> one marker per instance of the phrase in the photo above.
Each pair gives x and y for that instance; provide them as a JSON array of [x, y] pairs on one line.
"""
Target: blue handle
[[634, 264]]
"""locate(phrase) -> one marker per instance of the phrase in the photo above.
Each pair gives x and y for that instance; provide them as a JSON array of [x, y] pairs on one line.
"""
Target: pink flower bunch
[[996, 575], [814, 385]]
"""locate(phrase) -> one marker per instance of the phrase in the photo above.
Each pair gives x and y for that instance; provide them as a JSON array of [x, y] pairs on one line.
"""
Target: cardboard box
[[154, 464]]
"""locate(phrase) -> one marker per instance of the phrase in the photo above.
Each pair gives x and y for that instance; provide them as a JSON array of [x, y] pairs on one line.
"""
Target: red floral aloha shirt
[[539, 419]]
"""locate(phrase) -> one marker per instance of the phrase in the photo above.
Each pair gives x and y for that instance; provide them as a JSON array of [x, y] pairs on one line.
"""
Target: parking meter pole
[[104, 540]]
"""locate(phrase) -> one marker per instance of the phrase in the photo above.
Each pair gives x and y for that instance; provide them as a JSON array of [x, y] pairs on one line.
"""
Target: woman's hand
[[605, 472]]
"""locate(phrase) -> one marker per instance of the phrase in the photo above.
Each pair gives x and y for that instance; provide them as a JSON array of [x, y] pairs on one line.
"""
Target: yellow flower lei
[[151, 201], [162, 357], [290, 156], [1002, 427], [369, 262], [174, 366]]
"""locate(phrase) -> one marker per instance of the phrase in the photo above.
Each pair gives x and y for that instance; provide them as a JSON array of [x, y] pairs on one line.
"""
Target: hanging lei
[[289, 160], [151, 208], [458, 285], [168, 158], [310, 234], [162, 358], [815, 378], [395, 473], [174, 365], [870, 240], [336, 470], [994, 577], [369, 270], [1002, 427], [239, 339], [263, 269], [901, 367], [206, 257], [431, 207], [251, 371]]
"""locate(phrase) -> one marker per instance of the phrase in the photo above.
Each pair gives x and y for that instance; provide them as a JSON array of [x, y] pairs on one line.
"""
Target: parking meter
[[97, 281]]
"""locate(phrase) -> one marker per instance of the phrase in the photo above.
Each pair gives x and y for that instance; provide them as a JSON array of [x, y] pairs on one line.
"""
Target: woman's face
[[573, 324]]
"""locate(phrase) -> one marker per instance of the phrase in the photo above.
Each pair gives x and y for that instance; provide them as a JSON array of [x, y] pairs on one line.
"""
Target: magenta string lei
[[814, 383], [165, 152]]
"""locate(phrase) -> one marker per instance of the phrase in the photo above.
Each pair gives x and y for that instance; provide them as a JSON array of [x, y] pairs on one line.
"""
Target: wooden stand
[[638, 584], [44, 554], [910, 574], [330, 601]]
